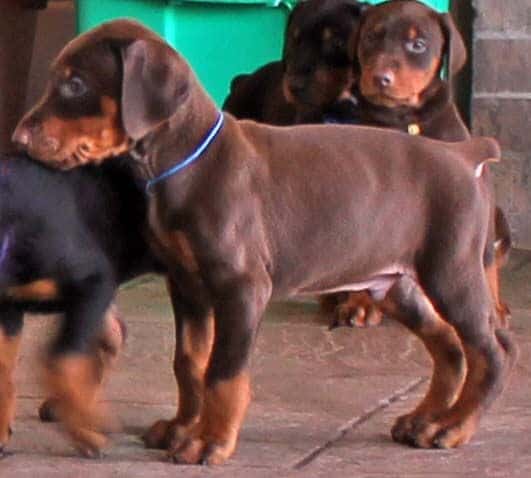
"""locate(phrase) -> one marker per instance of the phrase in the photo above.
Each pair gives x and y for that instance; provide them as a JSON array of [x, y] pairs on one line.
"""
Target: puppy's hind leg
[[463, 299], [407, 303]]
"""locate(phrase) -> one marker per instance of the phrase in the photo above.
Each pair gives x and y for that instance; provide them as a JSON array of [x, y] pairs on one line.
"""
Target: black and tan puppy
[[403, 48], [67, 240], [240, 226], [315, 70]]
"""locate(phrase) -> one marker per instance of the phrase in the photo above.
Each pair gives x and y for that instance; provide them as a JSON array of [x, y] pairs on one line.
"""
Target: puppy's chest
[[173, 245]]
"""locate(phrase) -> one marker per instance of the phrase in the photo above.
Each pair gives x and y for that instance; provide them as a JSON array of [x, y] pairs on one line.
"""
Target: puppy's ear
[[156, 80], [359, 8], [356, 10], [454, 44], [290, 25]]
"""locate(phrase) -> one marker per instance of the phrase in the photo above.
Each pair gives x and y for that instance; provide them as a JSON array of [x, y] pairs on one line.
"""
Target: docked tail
[[479, 151]]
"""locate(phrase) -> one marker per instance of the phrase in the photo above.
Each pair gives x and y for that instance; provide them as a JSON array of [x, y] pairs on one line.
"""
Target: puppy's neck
[[177, 137], [433, 101]]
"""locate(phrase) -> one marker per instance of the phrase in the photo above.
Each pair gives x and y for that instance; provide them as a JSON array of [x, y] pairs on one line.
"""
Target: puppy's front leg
[[194, 335], [109, 346], [73, 373], [238, 308], [10, 333]]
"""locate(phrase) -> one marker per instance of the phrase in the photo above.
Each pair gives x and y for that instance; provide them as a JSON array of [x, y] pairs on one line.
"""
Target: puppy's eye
[[73, 87], [416, 46], [372, 36]]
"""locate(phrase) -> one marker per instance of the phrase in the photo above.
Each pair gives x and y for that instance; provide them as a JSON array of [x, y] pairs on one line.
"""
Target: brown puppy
[[315, 71], [402, 49], [239, 225]]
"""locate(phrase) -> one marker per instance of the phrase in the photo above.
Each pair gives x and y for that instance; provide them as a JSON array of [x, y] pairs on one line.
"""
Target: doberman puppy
[[240, 225], [403, 47], [315, 70], [67, 240]]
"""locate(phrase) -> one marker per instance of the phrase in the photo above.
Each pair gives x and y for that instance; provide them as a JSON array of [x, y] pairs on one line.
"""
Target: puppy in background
[[403, 49], [314, 73]]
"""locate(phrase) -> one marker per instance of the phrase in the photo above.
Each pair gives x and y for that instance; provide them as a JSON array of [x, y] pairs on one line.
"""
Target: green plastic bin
[[220, 38], [441, 5]]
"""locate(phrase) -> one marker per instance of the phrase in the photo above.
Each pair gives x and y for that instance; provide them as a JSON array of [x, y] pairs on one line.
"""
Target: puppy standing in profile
[[239, 225], [315, 70]]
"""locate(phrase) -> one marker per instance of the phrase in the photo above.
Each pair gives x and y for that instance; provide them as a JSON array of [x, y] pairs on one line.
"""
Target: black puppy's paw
[[48, 411]]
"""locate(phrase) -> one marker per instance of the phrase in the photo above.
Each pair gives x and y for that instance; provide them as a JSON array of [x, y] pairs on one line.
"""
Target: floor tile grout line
[[356, 421]]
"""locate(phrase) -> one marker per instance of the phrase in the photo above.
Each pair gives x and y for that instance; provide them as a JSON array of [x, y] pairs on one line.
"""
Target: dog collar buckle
[[413, 129]]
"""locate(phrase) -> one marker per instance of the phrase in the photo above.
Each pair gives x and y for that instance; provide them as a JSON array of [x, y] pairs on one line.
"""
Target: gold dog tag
[[413, 129]]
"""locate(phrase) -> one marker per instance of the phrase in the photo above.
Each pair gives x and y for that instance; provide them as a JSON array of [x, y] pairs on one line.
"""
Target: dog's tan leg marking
[[488, 371], [216, 434], [109, 346], [490, 356], [407, 304], [9, 347], [193, 345], [74, 381], [493, 279], [358, 309]]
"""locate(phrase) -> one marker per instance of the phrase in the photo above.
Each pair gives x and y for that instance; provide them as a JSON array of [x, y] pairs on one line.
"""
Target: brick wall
[[501, 101]]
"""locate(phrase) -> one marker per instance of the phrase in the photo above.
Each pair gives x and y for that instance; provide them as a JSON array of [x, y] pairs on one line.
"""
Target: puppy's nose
[[384, 79], [22, 135]]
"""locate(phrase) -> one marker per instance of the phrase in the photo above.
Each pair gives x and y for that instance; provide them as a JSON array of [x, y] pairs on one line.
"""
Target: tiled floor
[[323, 401]]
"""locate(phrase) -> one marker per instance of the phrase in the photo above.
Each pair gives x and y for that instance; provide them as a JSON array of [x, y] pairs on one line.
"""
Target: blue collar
[[5, 247], [207, 141]]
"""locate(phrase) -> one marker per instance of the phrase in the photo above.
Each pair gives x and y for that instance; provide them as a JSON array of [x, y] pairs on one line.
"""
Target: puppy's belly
[[377, 284]]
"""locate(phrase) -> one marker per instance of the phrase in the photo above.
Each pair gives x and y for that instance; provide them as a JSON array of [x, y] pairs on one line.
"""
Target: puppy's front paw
[[89, 443], [167, 435], [158, 436], [359, 316], [3, 442], [48, 411], [200, 451], [188, 452]]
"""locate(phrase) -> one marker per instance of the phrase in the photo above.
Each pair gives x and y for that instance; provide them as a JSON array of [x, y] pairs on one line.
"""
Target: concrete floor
[[323, 402]]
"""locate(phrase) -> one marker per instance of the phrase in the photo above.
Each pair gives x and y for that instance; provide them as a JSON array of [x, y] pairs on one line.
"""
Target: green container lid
[[269, 3], [441, 5]]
